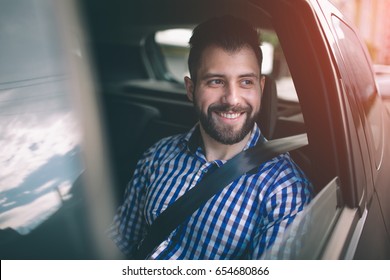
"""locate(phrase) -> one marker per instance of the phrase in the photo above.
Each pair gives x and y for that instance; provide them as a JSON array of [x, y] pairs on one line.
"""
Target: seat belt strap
[[213, 183]]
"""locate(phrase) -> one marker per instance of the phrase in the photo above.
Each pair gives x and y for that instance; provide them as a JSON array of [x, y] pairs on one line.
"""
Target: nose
[[231, 95]]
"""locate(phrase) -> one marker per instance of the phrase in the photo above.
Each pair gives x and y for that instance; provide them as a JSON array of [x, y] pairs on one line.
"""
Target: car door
[[340, 148], [366, 115]]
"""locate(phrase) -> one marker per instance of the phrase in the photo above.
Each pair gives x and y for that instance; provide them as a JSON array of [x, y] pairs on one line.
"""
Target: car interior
[[138, 75], [142, 99]]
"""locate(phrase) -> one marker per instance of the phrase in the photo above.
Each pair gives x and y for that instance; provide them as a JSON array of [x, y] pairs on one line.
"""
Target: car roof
[[132, 20]]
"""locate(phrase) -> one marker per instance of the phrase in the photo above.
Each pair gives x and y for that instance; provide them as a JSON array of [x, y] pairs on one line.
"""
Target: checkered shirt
[[240, 222]]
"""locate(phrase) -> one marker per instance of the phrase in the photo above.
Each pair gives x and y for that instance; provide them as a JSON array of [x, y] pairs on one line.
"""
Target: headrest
[[269, 108]]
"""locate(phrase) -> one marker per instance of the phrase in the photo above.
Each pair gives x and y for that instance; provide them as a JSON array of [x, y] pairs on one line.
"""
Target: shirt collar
[[193, 139]]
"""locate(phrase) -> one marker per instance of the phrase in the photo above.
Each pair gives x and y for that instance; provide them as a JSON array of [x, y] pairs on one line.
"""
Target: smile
[[229, 115]]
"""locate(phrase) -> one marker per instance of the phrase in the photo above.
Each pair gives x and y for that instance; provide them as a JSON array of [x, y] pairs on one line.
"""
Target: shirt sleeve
[[129, 225], [289, 195]]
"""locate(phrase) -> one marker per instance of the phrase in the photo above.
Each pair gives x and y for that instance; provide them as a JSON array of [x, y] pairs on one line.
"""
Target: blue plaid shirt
[[240, 222]]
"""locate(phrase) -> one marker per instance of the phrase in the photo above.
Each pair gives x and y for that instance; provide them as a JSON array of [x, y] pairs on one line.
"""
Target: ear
[[189, 88]]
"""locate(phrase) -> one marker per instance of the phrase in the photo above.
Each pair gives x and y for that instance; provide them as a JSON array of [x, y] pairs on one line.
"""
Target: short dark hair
[[229, 33]]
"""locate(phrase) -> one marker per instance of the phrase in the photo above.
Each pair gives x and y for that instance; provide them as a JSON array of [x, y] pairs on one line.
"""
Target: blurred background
[[371, 17]]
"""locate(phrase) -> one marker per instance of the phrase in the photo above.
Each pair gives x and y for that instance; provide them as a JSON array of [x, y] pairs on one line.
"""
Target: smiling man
[[250, 214], [226, 96]]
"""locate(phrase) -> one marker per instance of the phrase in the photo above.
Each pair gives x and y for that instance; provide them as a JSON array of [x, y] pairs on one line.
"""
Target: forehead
[[215, 59]]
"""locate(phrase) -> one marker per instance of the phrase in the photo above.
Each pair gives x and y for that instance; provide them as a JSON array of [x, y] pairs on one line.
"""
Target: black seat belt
[[213, 183]]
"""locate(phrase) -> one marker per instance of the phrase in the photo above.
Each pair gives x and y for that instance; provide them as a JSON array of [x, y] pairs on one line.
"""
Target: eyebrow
[[212, 75], [253, 75], [217, 75]]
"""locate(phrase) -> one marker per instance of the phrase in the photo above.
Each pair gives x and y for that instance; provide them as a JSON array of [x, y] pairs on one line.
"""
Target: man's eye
[[215, 82], [247, 82]]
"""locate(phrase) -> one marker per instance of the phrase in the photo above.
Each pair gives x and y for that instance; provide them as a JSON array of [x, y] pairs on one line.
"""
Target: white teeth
[[230, 115]]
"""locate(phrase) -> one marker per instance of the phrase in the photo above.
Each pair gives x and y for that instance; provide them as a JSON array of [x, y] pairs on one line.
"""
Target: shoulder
[[283, 165], [159, 152], [281, 173], [171, 145], [284, 185], [164, 147]]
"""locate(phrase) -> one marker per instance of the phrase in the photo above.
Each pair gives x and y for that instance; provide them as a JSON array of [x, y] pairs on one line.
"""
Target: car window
[[42, 137], [364, 89], [46, 100], [174, 46], [306, 238], [40, 133]]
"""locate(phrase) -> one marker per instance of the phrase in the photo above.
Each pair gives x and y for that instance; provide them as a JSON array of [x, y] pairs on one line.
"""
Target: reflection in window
[[363, 88], [42, 156]]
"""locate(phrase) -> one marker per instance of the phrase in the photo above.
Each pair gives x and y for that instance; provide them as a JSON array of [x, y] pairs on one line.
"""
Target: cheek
[[254, 100], [200, 104], [205, 99]]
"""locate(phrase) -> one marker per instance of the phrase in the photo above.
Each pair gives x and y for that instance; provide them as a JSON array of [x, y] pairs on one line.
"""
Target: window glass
[[174, 45], [39, 132], [29, 40], [305, 238], [363, 85]]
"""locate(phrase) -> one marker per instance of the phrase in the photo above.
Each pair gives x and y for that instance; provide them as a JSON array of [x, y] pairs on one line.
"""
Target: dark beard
[[225, 135]]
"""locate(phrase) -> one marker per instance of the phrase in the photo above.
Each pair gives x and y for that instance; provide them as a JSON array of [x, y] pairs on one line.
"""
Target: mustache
[[229, 108]]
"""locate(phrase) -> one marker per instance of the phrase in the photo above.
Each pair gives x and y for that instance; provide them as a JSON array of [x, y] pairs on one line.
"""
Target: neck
[[215, 150]]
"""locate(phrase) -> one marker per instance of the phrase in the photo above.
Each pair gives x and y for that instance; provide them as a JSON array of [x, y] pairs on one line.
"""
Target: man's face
[[227, 93]]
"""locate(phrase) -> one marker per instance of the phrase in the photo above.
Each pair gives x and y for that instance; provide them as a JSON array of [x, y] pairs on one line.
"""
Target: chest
[[172, 179]]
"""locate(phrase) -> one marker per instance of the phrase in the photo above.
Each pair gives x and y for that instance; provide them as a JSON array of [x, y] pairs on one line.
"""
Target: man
[[250, 214]]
